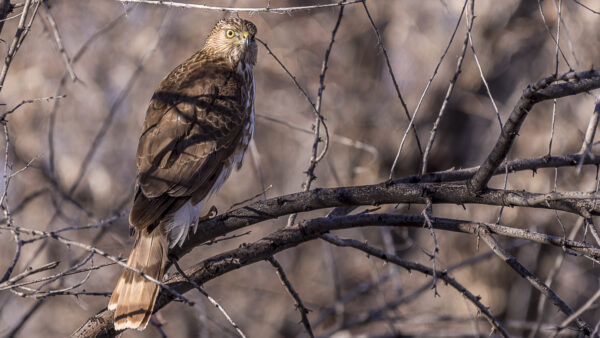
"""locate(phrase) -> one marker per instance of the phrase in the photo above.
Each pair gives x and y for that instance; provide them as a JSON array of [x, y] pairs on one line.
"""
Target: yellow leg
[[210, 214]]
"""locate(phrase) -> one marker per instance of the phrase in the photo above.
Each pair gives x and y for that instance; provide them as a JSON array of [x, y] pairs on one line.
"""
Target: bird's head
[[233, 40]]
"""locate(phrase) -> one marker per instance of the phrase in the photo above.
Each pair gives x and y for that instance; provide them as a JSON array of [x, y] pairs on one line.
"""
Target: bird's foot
[[210, 214]]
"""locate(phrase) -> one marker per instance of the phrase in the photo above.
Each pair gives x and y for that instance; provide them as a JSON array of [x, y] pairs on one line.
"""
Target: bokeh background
[[101, 116]]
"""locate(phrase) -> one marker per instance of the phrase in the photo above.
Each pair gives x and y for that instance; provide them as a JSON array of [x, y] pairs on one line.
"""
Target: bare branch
[[315, 156], [288, 237], [423, 269], [586, 7], [113, 111], [59, 43], [436, 124], [590, 133], [370, 315], [533, 164], [278, 10], [210, 299], [12, 110], [575, 315], [384, 193], [96, 251], [5, 8], [391, 71], [22, 31], [290, 289], [531, 278], [545, 89], [29, 272]]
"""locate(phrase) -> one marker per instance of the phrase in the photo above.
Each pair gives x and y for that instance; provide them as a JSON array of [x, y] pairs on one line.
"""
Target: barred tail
[[134, 296]]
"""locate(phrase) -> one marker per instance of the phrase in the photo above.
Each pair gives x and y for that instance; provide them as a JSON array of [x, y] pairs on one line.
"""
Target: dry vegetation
[[68, 162]]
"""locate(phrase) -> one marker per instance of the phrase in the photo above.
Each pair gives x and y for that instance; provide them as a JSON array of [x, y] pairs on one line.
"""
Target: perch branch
[[545, 89]]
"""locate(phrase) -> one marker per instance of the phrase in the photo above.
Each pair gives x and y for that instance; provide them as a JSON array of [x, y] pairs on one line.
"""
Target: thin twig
[[23, 29], [57, 276], [423, 269], [59, 44], [336, 138], [28, 273], [80, 52], [210, 299], [278, 10], [486, 236], [99, 252], [579, 312], [449, 92], [369, 316], [483, 80], [590, 133], [12, 110], [290, 289], [114, 109], [315, 156], [396, 87], [427, 212], [586, 7], [550, 279], [555, 40], [435, 71], [252, 198]]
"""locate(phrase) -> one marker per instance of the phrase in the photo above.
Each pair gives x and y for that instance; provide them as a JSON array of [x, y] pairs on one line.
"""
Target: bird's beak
[[246, 38]]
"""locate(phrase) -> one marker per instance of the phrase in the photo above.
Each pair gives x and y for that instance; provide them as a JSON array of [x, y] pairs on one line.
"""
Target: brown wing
[[193, 123]]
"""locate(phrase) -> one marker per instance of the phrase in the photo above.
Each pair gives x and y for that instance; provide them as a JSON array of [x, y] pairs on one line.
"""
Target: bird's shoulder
[[199, 73]]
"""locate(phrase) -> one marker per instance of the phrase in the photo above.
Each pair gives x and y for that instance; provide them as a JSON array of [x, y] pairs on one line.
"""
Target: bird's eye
[[230, 33]]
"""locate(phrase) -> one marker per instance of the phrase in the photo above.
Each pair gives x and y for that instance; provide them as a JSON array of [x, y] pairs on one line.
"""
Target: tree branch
[[575, 83], [533, 163], [101, 325], [423, 269], [530, 277], [279, 10], [383, 193], [290, 289]]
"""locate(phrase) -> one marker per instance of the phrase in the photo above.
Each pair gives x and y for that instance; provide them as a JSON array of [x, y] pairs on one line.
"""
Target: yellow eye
[[230, 33]]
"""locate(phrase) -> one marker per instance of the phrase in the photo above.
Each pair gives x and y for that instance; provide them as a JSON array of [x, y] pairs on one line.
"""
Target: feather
[[134, 296], [178, 226], [197, 129]]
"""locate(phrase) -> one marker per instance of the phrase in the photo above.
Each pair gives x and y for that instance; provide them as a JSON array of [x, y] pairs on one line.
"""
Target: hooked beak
[[246, 39]]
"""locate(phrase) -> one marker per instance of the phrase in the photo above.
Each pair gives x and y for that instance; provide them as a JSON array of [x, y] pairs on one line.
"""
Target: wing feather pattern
[[193, 124]]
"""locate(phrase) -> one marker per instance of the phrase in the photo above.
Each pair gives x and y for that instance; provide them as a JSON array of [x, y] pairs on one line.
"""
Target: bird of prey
[[197, 129]]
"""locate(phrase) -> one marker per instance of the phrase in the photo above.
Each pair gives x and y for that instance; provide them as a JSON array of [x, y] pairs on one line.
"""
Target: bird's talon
[[210, 214]]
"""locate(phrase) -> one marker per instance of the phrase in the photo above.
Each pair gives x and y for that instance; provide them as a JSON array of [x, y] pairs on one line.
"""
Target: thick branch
[[101, 325], [543, 90], [383, 193], [387, 192]]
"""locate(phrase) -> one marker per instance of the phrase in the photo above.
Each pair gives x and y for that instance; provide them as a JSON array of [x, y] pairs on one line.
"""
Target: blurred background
[[84, 144]]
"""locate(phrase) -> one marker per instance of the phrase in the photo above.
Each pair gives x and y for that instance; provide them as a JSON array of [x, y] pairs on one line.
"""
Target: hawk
[[197, 129]]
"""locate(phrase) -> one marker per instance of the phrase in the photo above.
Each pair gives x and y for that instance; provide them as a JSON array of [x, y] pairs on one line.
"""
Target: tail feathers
[[134, 296]]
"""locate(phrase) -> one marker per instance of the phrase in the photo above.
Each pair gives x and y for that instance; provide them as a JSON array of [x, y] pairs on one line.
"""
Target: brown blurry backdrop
[[120, 68]]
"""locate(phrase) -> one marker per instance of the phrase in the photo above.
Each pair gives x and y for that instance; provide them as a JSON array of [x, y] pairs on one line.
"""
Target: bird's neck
[[244, 69]]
